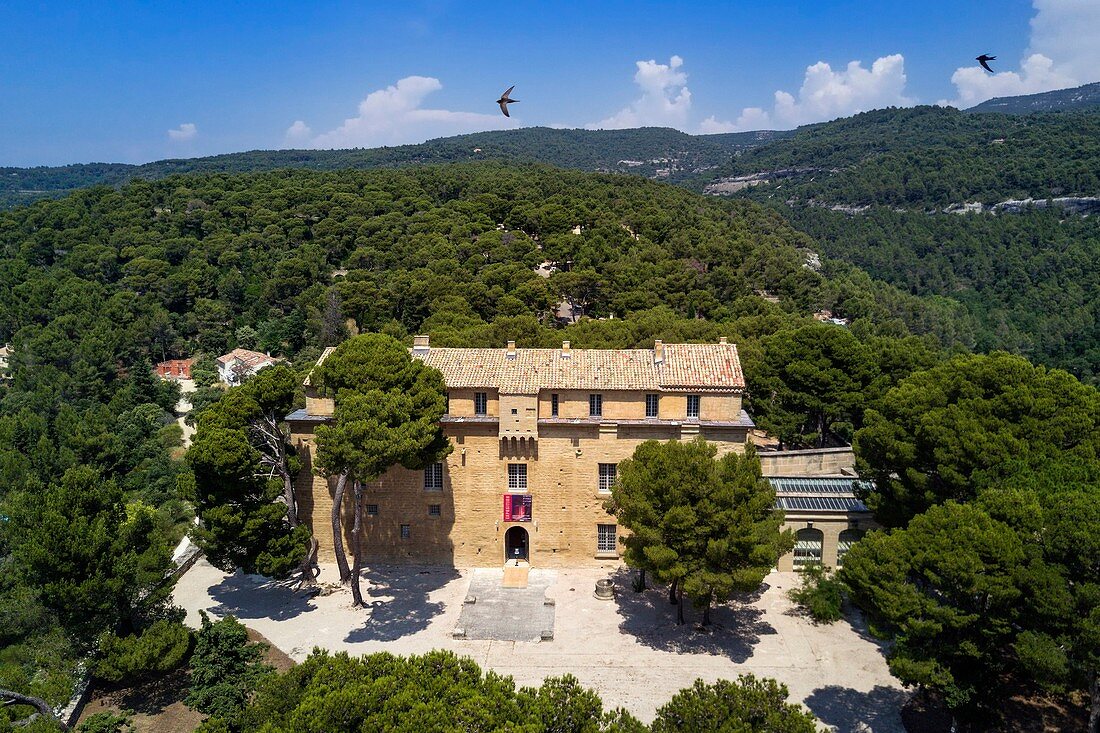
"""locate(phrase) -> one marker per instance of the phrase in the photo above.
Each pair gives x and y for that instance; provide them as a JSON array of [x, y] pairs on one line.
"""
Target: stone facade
[[531, 408], [460, 520]]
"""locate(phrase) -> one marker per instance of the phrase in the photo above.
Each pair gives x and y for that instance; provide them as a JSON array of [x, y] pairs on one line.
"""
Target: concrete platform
[[500, 613]]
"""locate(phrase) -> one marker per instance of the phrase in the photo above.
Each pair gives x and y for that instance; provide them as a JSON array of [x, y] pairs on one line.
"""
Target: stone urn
[[605, 589]]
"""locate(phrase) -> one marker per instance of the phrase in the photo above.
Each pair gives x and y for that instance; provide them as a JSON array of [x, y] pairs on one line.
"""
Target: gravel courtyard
[[628, 649]]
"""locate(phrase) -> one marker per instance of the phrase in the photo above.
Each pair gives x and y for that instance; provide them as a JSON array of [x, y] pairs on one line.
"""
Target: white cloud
[[394, 116], [665, 100], [1064, 51], [826, 94], [186, 131], [712, 125], [298, 133], [1068, 31]]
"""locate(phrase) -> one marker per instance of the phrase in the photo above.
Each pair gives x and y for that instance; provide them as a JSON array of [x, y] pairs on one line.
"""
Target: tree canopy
[[952, 430], [708, 526], [387, 412], [244, 471], [811, 385], [439, 691]]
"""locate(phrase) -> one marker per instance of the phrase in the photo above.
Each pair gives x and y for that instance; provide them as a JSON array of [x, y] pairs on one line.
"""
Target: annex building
[[537, 436]]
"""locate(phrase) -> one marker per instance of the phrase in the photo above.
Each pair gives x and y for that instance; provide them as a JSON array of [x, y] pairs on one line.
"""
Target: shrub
[[160, 648], [749, 705], [108, 722], [204, 371], [821, 594], [224, 668]]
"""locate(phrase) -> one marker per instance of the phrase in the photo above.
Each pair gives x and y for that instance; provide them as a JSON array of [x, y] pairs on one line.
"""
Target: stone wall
[[812, 462], [562, 478]]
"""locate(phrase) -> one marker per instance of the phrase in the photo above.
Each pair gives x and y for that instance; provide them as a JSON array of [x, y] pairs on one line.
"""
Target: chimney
[[511, 349], [658, 351], [722, 340], [565, 352], [420, 344]]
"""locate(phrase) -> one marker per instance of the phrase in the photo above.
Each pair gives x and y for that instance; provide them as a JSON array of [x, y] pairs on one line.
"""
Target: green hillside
[[874, 190], [653, 152], [928, 157], [1059, 100]]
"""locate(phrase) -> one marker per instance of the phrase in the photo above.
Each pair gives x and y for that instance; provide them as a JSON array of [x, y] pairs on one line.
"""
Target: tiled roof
[[700, 367], [248, 358]]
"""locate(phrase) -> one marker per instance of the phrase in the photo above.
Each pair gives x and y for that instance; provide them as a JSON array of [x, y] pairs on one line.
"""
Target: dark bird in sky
[[504, 101], [984, 60]]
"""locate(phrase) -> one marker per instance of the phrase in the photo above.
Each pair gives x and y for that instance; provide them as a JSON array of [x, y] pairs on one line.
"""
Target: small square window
[[435, 510], [433, 477], [553, 405], [515, 411], [481, 403], [517, 477], [372, 510], [405, 532], [652, 403], [605, 538], [595, 405], [693, 406]]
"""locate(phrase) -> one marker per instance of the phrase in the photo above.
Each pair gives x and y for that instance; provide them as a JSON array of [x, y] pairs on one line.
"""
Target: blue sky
[[132, 82]]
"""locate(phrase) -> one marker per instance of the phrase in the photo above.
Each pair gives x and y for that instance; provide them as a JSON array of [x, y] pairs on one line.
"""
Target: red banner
[[517, 507]]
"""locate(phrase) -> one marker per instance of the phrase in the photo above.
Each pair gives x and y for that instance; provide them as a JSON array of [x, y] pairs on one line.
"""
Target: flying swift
[[504, 101]]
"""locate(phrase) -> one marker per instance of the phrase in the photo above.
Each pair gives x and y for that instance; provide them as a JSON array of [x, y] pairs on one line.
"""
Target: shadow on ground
[[397, 601], [251, 596], [877, 711], [736, 627], [151, 697]]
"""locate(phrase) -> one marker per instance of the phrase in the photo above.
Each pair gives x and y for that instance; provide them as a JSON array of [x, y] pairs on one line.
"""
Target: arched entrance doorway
[[515, 544]]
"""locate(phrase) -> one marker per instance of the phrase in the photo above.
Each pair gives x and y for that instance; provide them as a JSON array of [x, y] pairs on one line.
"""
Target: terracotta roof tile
[[249, 358], [699, 367]]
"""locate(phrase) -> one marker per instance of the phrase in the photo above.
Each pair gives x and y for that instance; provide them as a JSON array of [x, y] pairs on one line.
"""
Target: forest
[[97, 286], [930, 157], [647, 148], [871, 190]]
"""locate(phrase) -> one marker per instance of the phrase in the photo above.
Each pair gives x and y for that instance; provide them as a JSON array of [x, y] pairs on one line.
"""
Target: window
[[605, 538], [517, 477], [515, 411], [607, 476], [807, 547], [553, 405], [693, 406], [372, 510], [433, 477], [405, 532], [435, 510], [595, 405], [446, 403], [847, 538], [651, 403], [481, 403]]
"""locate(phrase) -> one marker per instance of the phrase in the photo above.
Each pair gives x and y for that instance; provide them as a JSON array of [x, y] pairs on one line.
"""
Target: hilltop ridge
[[653, 152], [1086, 96]]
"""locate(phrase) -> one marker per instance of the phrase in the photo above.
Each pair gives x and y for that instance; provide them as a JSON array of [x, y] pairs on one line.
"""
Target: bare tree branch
[[43, 707]]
